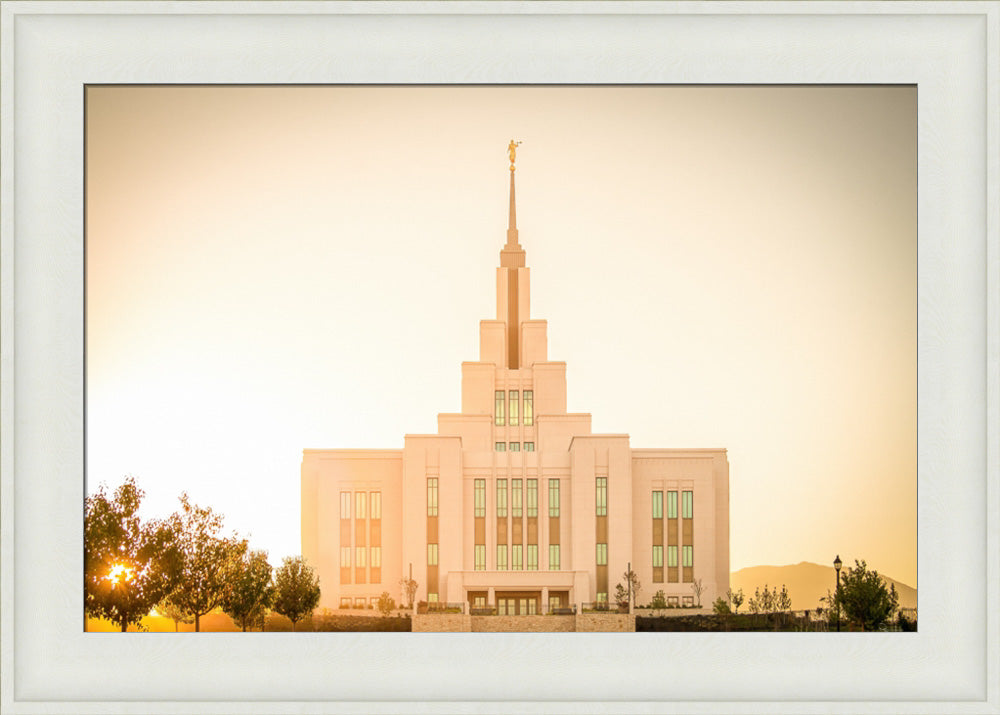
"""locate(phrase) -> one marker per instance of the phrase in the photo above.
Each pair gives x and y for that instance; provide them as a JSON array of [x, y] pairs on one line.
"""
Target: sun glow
[[118, 574]]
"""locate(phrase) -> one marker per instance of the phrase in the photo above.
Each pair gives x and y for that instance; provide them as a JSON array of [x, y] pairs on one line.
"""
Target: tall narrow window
[[532, 497], [687, 505], [515, 498], [529, 446], [498, 407], [657, 505], [359, 507], [602, 496], [671, 556], [359, 558], [432, 496], [657, 556], [553, 497], [532, 557], [376, 557], [529, 408], [515, 446], [553, 557], [502, 497], [480, 557], [345, 556], [602, 554], [515, 557], [501, 557], [480, 489], [432, 554], [671, 505], [376, 505], [500, 446], [345, 505], [688, 556], [602, 597], [512, 412]]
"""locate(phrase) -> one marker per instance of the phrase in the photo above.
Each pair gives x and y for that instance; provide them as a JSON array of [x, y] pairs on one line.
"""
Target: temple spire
[[512, 255], [512, 217]]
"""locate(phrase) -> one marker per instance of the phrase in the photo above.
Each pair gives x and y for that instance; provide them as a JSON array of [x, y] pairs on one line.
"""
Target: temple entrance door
[[518, 603]]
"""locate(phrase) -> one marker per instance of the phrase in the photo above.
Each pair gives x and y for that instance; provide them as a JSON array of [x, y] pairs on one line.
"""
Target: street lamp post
[[837, 563]]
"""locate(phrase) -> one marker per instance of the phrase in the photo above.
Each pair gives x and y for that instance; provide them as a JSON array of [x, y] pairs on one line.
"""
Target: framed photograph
[[231, 106]]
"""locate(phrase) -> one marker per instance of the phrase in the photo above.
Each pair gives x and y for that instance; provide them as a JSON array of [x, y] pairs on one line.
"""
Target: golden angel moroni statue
[[512, 152]]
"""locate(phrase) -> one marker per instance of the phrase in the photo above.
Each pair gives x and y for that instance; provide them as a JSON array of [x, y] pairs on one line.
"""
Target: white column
[[545, 598], [491, 597]]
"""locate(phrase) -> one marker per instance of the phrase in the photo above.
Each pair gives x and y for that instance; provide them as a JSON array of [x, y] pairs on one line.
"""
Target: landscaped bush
[[339, 622], [721, 606], [908, 625], [715, 622]]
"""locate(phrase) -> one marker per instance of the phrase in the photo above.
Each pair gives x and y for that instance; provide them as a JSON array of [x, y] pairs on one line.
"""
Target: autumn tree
[[249, 591], [296, 589], [207, 560], [129, 566], [864, 597]]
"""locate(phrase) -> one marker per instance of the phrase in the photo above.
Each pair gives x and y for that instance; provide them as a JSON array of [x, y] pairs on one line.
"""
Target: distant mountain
[[806, 582]]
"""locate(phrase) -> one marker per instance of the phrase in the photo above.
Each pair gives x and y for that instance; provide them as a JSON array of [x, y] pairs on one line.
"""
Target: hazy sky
[[276, 268]]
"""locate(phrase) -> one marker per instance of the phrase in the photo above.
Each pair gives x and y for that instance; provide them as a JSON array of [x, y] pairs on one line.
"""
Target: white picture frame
[[51, 50]]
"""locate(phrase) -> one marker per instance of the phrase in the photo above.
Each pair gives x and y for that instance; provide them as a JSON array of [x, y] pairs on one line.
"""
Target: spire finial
[[512, 152], [512, 216]]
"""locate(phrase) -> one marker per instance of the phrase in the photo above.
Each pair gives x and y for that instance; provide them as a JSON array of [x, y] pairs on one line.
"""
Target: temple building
[[515, 505]]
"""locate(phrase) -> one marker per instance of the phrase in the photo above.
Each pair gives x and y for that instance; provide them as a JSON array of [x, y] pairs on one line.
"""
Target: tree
[[832, 612], [782, 600], [631, 578], [865, 599], [621, 596], [409, 587], [128, 565], [249, 591], [721, 606], [175, 613], [208, 559], [736, 599], [297, 589], [763, 601], [659, 600], [698, 588], [386, 603]]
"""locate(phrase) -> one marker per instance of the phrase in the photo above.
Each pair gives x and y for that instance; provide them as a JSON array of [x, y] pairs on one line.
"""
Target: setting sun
[[119, 573]]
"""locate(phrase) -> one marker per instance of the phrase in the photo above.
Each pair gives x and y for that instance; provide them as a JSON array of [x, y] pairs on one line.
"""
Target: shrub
[[907, 624], [386, 603], [621, 596], [659, 600], [721, 606]]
